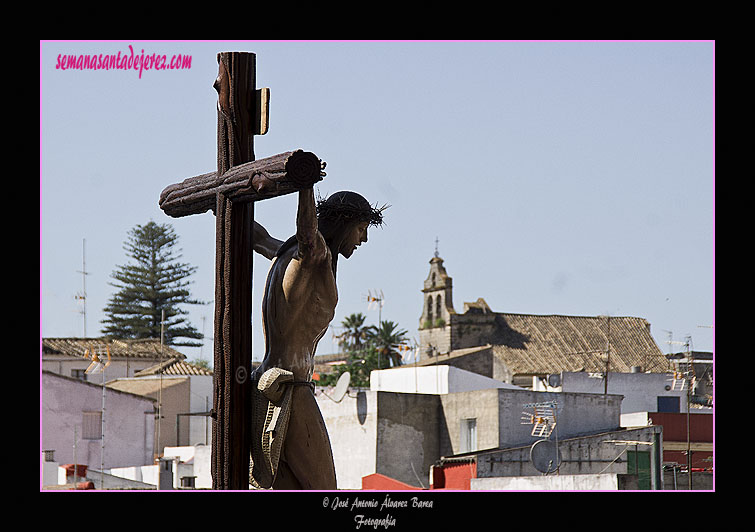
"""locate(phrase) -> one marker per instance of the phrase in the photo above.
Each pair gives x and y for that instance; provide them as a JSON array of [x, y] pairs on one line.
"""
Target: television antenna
[[684, 378], [82, 296], [95, 354], [544, 453], [409, 351], [376, 299], [542, 418], [683, 374], [373, 300]]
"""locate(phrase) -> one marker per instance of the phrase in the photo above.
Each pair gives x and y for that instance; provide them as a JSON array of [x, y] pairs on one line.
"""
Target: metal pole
[[608, 355], [160, 393], [75, 477], [102, 447], [380, 317], [83, 296], [84, 281], [689, 396], [555, 418]]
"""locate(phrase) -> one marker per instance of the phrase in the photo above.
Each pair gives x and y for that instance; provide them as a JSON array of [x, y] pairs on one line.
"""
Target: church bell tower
[[437, 311]]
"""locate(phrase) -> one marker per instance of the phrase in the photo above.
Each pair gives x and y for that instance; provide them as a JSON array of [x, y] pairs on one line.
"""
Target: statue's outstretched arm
[[312, 247], [263, 243]]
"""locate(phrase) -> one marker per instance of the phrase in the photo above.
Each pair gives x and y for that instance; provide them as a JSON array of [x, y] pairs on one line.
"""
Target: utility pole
[[160, 393], [689, 396], [83, 295], [608, 354], [75, 457], [102, 442]]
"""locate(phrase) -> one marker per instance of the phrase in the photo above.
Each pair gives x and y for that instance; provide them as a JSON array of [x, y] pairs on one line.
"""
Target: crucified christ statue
[[290, 444]]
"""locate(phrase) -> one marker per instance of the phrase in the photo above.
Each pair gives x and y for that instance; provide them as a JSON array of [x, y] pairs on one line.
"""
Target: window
[[78, 374], [668, 403], [468, 435], [91, 426], [430, 310]]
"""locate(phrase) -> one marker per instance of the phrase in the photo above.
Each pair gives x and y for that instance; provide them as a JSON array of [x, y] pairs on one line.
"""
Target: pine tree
[[154, 283]]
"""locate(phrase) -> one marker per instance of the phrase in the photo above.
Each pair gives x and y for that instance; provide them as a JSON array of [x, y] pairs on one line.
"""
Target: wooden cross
[[230, 192]]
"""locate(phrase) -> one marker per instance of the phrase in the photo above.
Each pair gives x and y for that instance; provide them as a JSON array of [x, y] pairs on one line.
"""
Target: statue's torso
[[298, 305]]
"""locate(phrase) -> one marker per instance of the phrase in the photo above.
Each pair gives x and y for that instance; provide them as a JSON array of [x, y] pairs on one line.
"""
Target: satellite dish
[[545, 456], [342, 386], [554, 380]]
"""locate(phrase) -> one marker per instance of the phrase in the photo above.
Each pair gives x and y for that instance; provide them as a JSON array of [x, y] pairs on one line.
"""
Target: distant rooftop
[[533, 344], [132, 348], [174, 366]]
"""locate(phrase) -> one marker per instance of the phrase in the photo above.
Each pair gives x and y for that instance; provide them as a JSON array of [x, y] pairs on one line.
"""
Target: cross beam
[[230, 192], [249, 182]]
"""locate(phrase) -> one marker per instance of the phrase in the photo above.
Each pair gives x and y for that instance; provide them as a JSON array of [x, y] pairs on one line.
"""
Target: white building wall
[[187, 461], [440, 379], [604, 482], [352, 427], [640, 390], [200, 427], [576, 414], [129, 423], [202, 466], [49, 473]]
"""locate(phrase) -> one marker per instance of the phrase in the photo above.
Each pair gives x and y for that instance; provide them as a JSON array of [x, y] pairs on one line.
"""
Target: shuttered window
[[91, 424]]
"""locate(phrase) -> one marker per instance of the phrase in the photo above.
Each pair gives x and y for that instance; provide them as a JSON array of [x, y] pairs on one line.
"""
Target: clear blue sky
[[572, 178]]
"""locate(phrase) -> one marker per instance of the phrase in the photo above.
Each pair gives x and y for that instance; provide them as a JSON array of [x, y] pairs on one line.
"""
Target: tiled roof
[[327, 363], [174, 366], [537, 345], [530, 344], [331, 358], [142, 348]]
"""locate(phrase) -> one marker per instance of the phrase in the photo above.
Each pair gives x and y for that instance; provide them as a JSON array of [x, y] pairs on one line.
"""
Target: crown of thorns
[[346, 208]]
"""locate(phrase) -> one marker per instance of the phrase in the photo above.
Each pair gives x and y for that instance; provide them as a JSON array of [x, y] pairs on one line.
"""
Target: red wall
[[454, 476], [376, 481], [700, 459], [675, 429], [675, 426]]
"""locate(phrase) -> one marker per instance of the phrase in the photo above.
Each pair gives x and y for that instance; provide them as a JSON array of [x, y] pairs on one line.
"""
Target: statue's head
[[343, 219]]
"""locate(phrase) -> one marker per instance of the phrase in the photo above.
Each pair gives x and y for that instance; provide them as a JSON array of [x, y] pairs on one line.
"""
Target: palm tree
[[354, 332], [387, 338]]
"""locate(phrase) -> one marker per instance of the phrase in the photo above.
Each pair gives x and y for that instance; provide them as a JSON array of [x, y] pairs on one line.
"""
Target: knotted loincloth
[[271, 411]]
